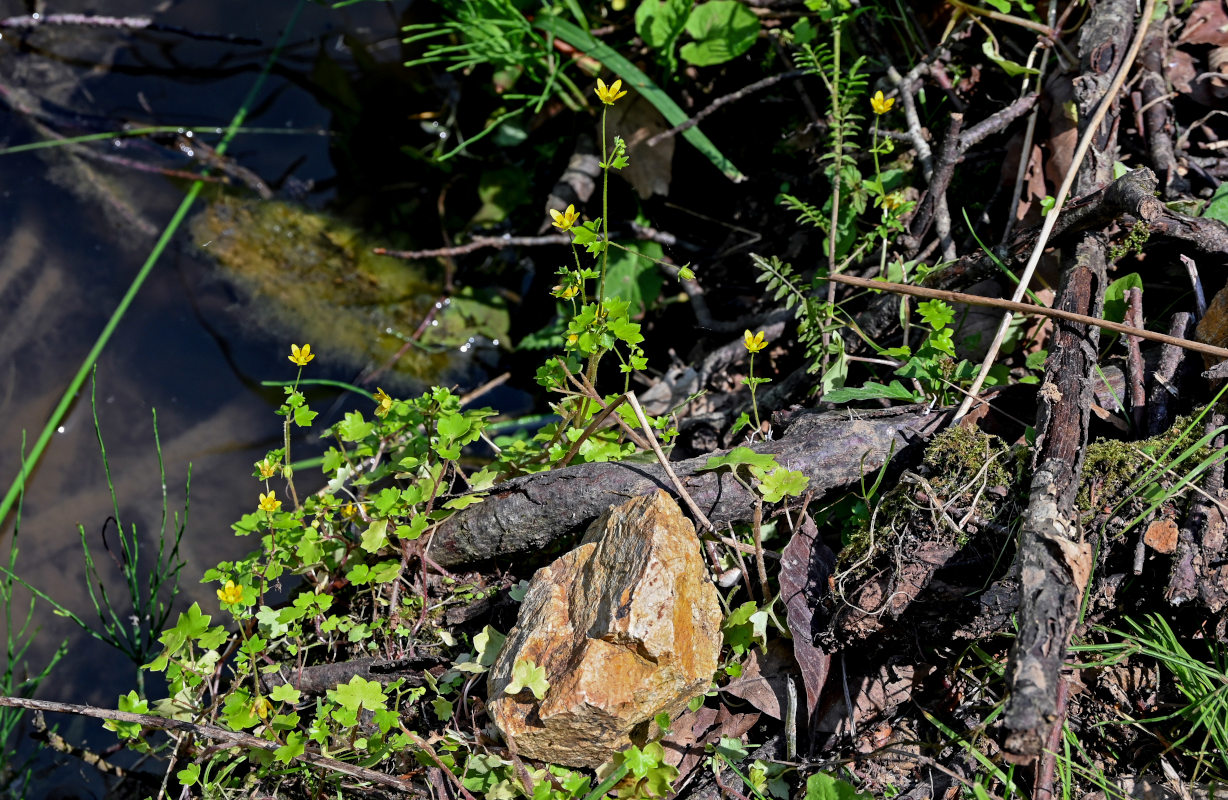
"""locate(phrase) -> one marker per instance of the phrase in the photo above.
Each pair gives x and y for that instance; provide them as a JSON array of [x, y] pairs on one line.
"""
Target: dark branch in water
[[32, 21]]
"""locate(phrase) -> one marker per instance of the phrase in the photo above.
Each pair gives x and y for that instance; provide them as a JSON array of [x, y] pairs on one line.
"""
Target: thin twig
[[1012, 307], [720, 101], [229, 737], [673, 476], [1085, 142]]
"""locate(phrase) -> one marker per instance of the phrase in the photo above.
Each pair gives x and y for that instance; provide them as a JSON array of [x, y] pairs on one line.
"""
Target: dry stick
[[1085, 142], [673, 476], [1024, 308], [598, 419], [232, 738], [1025, 152], [720, 101], [1135, 371]]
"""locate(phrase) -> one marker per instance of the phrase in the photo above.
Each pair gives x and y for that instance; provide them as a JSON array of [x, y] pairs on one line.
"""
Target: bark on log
[[1054, 559], [528, 514]]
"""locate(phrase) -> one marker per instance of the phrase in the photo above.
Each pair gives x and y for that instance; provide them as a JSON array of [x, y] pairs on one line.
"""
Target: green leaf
[[660, 22], [990, 49], [375, 536], [296, 745], [936, 313], [453, 426], [442, 709], [722, 29], [488, 643], [189, 775], [359, 693], [285, 693], [304, 416], [781, 482], [464, 501], [353, 428], [527, 675], [740, 456], [634, 79], [821, 786], [872, 391], [1217, 206], [1115, 296]]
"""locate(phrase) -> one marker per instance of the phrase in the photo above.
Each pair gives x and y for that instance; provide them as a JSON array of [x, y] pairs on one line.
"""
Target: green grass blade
[[633, 78], [168, 233]]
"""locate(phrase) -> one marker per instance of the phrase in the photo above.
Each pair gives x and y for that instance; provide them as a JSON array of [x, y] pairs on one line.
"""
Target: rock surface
[[626, 626]]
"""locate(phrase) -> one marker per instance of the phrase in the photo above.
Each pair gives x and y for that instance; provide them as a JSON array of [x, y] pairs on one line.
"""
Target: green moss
[[952, 463], [315, 279], [957, 454], [1111, 466]]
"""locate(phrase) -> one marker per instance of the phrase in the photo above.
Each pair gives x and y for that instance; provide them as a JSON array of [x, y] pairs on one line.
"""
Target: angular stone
[[626, 626]]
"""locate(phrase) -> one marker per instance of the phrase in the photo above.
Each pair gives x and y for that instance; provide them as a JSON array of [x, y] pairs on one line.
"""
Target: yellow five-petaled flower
[[267, 469], [301, 355], [385, 402], [269, 502], [608, 94], [230, 593], [262, 707], [563, 220], [754, 342], [880, 104]]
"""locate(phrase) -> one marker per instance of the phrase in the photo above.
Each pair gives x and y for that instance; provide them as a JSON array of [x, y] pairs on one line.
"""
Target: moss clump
[[1111, 466], [957, 454], [314, 278], [952, 464]]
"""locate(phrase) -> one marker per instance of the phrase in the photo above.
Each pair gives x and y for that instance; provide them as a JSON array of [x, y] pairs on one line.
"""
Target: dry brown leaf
[[805, 565], [1161, 536], [650, 168]]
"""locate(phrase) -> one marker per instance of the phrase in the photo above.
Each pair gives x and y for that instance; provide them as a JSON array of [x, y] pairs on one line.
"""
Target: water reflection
[[73, 231]]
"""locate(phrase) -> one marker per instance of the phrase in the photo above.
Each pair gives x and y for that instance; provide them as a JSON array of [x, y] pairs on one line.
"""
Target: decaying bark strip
[[1054, 559], [527, 514]]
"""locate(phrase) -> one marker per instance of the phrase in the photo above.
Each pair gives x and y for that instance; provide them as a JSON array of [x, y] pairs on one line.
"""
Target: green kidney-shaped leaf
[[660, 22], [1115, 296], [722, 30]]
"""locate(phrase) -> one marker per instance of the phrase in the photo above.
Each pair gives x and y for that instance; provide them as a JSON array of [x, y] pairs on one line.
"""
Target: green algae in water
[[314, 279]]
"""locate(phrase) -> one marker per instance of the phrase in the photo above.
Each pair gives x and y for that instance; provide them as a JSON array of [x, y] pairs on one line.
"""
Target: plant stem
[[605, 209]]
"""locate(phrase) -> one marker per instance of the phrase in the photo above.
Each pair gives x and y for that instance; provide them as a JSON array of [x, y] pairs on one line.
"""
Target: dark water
[[74, 232]]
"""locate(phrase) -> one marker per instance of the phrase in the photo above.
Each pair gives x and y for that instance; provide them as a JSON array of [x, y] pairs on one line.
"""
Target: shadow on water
[[75, 226]]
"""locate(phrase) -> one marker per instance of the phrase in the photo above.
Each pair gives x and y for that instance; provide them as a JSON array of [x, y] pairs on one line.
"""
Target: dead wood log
[[1054, 559], [525, 515]]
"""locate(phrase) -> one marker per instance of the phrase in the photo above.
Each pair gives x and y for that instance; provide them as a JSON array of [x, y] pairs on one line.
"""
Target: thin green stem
[[754, 404], [605, 207]]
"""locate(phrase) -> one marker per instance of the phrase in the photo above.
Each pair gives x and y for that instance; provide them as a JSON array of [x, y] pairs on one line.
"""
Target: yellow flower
[[301, 355], [230, 593], [269, 502], [609, 94], [754, 342], [385, 402], [893, 201], [266, 468], [349, 511], [571, 340], [570, 291], [880, 104], [563, 220], [262, 707]]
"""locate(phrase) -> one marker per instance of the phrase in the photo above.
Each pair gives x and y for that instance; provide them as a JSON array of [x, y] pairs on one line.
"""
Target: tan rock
[[626, 626]]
